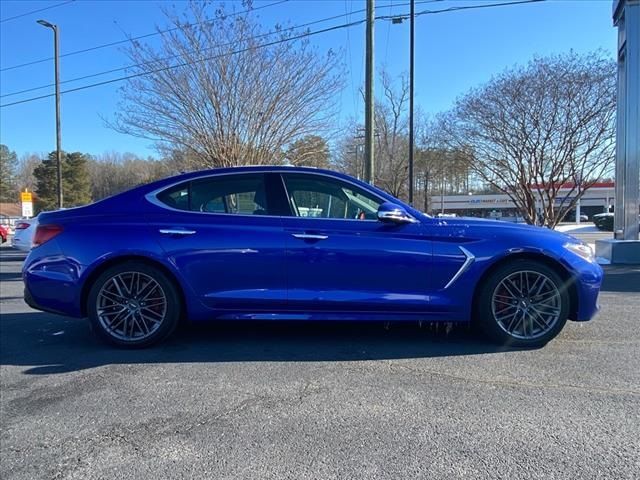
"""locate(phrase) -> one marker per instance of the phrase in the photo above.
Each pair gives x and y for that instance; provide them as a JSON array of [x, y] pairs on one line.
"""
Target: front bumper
[[587, 278]]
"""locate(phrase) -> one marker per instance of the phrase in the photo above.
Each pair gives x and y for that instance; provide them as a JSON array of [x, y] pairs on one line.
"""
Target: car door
[[225, 237], [340, 258]]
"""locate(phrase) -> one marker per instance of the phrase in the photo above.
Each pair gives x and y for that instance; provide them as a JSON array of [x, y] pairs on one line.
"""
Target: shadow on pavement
[[53, 344]]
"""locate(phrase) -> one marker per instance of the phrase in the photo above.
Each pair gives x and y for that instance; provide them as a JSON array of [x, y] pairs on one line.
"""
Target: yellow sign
[[25, 197]]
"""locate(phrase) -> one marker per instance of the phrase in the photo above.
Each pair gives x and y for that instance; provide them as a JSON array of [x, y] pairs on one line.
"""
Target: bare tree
[[348, 154], [436, 165], [537, 129], [439, 169], [114, 172], [392, 145], [391, 137], [222, 92], [24, 174], [310, 151], [440, 172]]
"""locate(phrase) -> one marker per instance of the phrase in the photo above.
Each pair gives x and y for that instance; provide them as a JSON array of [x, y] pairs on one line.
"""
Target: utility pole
[[368, 97], [56, 57], [411, 64]]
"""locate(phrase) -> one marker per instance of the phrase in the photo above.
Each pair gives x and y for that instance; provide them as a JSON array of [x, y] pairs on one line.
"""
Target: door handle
[[309, 236], [176, 231]]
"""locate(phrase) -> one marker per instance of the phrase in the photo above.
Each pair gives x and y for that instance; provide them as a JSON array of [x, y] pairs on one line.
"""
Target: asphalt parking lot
[[297, 401]]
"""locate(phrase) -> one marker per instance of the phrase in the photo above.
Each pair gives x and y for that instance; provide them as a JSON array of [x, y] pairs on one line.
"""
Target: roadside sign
[[27, 209], [26, 198]]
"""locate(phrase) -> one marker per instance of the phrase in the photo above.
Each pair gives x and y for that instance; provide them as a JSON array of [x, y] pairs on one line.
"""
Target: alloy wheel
[[526, 304], [131, 306]]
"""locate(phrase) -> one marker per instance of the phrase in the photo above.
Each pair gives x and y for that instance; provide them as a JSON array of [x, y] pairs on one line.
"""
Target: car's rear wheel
[[523, 303], [133, 305]]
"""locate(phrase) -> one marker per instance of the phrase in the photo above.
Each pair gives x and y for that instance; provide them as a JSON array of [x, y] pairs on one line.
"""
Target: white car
[[25, 229]]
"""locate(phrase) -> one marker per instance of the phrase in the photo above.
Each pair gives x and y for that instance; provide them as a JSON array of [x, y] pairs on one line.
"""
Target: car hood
[[487, 225]]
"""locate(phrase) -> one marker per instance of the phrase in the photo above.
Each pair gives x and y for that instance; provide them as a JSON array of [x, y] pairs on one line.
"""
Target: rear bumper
[[51, 281], [20, 244], [29, 300], [52, 295]]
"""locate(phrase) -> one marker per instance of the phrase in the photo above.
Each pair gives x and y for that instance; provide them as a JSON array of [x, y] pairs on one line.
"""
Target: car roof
[[173, 179], [255, 168]]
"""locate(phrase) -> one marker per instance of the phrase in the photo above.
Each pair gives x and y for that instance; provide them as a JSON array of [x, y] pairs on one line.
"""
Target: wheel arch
[[548, 261], [111, 262]]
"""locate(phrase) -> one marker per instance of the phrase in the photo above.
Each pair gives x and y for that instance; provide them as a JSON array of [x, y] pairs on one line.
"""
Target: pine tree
[[76, 181], [8, 165], [76, 186]]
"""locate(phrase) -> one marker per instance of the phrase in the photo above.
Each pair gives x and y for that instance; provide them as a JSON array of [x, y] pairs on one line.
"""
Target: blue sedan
[[274, 243]]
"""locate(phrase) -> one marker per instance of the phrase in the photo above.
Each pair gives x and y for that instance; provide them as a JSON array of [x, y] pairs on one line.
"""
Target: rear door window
[[239, 194]]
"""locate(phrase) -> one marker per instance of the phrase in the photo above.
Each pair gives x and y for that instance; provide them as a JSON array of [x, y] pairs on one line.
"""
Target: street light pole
[[53, 27]]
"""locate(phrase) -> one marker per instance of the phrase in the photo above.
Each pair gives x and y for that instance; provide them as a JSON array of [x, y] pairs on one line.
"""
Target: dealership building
[[597, 199]]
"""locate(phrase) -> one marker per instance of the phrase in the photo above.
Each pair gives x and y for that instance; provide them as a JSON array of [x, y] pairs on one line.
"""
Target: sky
[[454, 52]]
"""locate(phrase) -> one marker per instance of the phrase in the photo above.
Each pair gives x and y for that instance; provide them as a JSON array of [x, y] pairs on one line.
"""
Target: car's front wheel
[[133, 305], [523, 303]]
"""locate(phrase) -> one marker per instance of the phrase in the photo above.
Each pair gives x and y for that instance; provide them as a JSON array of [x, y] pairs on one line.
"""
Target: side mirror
[[391, 213]]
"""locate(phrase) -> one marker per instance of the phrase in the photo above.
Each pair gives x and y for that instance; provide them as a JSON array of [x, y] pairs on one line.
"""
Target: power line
[[453, 9], [126, 67], [289, 39], [184, 64], [119, 69], [36, 11], [147, 35]]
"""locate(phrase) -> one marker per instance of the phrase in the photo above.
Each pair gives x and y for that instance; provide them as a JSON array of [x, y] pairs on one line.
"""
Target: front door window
[[314, 196]]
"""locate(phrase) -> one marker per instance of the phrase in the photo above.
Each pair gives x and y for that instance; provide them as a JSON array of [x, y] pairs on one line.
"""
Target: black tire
[[486, 318], [157, 330]]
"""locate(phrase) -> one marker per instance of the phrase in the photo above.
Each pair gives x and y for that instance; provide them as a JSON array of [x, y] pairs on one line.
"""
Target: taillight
[[21, 226], [44, 233]]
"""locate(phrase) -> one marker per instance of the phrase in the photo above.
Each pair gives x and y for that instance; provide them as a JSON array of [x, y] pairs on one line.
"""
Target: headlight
[[581, 249]]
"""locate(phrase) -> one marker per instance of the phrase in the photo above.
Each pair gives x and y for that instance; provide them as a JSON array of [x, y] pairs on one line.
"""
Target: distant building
[[599, 198]]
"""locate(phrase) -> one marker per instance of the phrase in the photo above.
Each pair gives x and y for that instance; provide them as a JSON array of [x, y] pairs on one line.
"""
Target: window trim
[[151, 197]]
